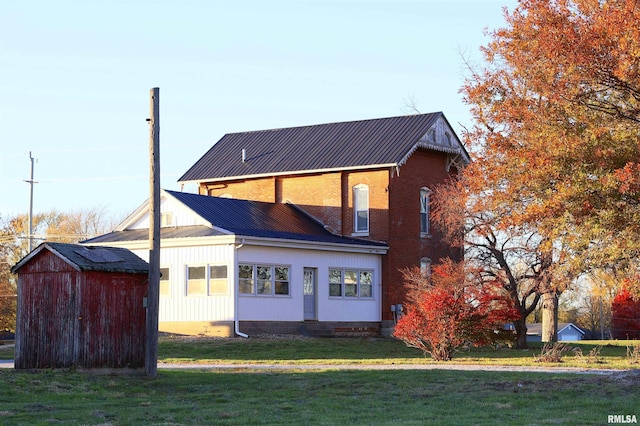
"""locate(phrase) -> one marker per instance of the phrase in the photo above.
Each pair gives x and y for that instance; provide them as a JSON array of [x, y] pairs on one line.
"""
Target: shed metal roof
[[87, 258], [345, 145]]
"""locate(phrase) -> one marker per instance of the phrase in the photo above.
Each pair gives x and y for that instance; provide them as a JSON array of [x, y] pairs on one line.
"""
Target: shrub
[[450, 309], [625, 311], [552, 352]]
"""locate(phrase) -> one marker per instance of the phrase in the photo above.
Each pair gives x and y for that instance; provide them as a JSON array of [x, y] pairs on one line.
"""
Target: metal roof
[[260, 219], [240, 217], [346, 145], [165, 233], [88, 258]]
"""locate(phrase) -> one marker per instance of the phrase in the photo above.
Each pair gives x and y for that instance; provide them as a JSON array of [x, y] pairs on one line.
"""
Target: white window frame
[[425, 267], [166, 219], [207, 280], [345, 283], [166, 281], [271, 279], [360, 205], [425, 212]]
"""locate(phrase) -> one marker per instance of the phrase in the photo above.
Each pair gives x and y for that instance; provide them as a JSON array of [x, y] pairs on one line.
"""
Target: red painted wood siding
[[68, 318]]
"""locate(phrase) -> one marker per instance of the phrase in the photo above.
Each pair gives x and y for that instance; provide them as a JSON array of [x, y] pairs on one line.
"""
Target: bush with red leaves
[[447, 310], [625, 316]]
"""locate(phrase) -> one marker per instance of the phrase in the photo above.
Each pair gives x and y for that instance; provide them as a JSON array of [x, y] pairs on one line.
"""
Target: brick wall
[[378, 183], [407, 246], [262, 189], [394, 210]]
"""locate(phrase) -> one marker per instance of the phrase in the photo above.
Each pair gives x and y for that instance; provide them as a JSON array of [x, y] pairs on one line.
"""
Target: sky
[[75, 81]]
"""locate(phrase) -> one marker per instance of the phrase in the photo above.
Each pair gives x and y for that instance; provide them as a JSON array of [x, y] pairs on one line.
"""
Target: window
[[350, 283], [218, 279], [425, 195], [361, 207], [207, 280], [166, 219], [425, 267], [263, 280], [245, 279], [165, 287], [196, 281]]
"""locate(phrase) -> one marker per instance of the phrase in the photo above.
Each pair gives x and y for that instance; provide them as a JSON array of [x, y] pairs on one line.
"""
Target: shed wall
[[68, 318]]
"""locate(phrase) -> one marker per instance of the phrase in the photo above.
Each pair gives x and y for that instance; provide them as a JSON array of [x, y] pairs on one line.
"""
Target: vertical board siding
[[178, 307], [182, 216], [47, 326], [113, 321], [68, 318]]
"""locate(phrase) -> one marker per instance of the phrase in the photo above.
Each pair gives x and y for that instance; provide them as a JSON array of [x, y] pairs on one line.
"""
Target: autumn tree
[[625, 315], [449, 309], [515, 257], [52, 226], [556, 106]]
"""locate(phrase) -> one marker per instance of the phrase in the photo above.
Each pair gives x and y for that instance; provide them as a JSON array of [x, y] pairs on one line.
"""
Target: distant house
[[301, 227], [81, 307], [566, 332]]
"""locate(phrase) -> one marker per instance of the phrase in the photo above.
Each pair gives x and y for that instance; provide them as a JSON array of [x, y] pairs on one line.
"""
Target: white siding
[[291, 308], [182, 216], [180, 307]]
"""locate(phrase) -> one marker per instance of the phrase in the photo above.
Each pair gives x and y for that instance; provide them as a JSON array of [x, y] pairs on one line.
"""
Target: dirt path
[[443, 366], [312, 367]]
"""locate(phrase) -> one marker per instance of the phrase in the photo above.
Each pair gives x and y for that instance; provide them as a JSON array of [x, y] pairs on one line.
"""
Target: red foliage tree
[[447, 310], [625, 311]]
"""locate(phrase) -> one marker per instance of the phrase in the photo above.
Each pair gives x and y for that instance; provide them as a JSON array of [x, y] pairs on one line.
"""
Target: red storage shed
[[81, 307]]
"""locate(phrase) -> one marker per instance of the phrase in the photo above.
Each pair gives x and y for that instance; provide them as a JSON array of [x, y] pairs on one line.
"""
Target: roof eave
[[37, 250], [289, 173], [312, 245]]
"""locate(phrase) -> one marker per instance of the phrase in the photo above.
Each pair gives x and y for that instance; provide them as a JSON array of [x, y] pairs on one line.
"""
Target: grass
[[320, 397], [612, 355]]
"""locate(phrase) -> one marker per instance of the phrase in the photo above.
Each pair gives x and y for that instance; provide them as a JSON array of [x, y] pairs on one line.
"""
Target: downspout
[[236, 290]]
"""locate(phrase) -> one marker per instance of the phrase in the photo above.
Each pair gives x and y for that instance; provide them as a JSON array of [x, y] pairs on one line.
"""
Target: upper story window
[[425, 195], [166, 219], [361, 208]]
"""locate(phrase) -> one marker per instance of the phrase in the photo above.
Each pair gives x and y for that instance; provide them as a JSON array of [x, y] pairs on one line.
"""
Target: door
[[309, 291]]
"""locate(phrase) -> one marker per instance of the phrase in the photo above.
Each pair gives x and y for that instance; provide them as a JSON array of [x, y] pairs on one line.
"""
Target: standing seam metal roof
[[240, 217], [343, 145], [259, 219]]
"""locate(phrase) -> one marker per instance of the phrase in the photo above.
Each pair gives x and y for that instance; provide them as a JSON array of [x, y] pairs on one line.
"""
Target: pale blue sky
[[75, 78]]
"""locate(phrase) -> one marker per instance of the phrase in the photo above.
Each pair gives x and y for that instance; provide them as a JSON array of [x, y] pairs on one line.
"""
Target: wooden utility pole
[[31, 182], [153, 295]]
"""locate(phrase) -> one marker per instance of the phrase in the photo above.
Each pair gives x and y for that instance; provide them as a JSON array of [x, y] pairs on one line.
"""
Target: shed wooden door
[[309, 290]]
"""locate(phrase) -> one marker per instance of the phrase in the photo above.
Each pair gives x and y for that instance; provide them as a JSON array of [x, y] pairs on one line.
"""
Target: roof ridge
[[332, 123]]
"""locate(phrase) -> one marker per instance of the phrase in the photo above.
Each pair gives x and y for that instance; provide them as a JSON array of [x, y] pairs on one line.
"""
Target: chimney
[[244, 155]]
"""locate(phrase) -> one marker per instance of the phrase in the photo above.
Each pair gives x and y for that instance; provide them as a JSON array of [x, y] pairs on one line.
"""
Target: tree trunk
[[550, 317], [521, 333]]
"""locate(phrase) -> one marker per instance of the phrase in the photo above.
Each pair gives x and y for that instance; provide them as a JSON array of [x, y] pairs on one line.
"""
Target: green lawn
[[612, 355], [319, 397]]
